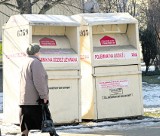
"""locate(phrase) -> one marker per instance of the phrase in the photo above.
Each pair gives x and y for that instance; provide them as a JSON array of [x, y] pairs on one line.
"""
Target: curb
[[38, 133], [103, 125]]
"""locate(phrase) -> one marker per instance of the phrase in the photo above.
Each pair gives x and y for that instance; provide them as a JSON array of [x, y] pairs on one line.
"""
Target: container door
[[118, 93], [64, 96]]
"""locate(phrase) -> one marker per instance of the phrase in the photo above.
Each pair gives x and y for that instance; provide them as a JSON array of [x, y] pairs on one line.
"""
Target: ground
[[1, 85]]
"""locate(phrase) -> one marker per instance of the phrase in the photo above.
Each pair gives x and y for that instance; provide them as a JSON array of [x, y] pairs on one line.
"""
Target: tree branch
[[4, 1], [34, 2], [71, 5], [48, 5], [4, 14], [8, 4]]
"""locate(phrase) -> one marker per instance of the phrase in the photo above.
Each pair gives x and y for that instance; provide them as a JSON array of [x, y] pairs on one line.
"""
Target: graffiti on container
[[115, 55], [85, 56], [59, 88], [15, 55], [117, 96]]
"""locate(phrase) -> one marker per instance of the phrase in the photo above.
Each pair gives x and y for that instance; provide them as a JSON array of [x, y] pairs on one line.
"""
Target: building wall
[[56, 10]]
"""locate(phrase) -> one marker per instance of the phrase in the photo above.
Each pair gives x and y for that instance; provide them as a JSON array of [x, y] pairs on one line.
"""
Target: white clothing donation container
[[58, 37], [110, 66]]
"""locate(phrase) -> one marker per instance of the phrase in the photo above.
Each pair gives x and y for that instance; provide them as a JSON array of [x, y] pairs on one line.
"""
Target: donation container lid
[[103, 18], [38, 19]]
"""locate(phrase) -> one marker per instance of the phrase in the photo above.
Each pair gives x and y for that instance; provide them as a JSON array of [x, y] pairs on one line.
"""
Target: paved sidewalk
[[1, 78], [149, 127], [153, 130], [67, 134], [87, 135]]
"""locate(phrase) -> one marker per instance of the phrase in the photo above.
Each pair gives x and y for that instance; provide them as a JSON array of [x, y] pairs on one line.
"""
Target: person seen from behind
[[33, 86]]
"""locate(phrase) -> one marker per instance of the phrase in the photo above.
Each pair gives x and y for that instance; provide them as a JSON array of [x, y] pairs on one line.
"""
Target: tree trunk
[[24, 6], [48, 5]]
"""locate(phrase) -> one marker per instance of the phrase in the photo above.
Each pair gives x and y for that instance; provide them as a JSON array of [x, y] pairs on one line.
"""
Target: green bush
[[0, 49], [0, 52], [151, 79], [151, 73]]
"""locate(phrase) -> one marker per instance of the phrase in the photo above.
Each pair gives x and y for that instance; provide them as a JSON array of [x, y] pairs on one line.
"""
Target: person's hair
[[33, 49]]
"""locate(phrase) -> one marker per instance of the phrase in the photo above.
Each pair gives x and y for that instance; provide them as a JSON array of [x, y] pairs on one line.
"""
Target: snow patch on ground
[[151, 95], [1, 101]]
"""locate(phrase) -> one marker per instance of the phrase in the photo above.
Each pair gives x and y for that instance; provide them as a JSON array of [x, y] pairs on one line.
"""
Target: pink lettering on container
[[116, 55], [114, 84], [59, 59], [106, 40], [47, 42]]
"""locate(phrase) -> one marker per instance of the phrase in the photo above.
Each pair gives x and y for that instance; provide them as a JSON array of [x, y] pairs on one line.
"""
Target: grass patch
[[155, 114], [0, 52], [151, 79], [0, 48]]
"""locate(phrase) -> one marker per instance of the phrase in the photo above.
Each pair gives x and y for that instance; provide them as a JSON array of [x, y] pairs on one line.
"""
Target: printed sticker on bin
[[47, 42], [106, 40]]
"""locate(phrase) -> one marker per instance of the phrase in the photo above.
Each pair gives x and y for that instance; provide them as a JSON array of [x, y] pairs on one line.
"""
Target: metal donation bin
[[58, 37], [110, 66]]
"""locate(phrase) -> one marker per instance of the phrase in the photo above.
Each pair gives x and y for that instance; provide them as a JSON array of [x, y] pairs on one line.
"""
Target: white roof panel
[[37, 19], [104, 18], [59, 20]]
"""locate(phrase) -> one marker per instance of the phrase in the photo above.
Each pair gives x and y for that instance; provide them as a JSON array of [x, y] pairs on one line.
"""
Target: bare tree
[[91, 6], [119, 6], [136, 8], [154, 26], [149, 50], [48, 5], [25, 6]]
